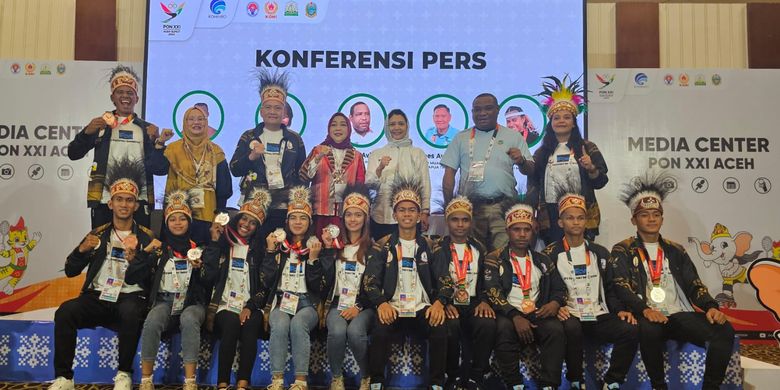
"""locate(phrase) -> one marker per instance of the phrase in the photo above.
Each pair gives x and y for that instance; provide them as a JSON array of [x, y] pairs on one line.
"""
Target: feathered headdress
[[256, 204], [646, 192], [178, 201], [461, 204], [357, 197], [406, 188], [562, 95], [568, 194], [124, 76], [273, 86], [125, 176], [300, 201], [519, 213]]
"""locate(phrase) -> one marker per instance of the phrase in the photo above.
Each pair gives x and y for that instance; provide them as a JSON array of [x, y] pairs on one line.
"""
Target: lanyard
[[196, 164], [124, 121], [297, 248], [461, 268], [489, 149], [231, 234], [178, 254], [399, 254], [656, 268], [568, 253], [524, 279], [244, 271], [299, 271]]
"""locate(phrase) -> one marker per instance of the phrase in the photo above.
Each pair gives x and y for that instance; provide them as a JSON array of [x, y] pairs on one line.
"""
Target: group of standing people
[[324, 241]]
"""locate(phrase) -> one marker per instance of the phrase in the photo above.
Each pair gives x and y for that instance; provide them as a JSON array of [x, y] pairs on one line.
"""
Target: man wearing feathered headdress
[[656, 280], [270, 155], [115, 255], [407, 286], [591, 310], [486, 155], [470, 319], [115, 135]]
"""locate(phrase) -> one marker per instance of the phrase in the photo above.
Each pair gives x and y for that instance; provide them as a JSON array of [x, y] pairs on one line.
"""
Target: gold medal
[[462, 296], [110, 119], [528, 306]]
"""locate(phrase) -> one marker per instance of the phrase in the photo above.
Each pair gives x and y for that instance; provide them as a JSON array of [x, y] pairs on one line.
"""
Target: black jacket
[[443, 254], [329, 283], [252, 173], [216, 266], [197, 289], [498, 281], [137, 271], [381, 276], [315, 280], [605, 272], [630, 279], [83, 143]]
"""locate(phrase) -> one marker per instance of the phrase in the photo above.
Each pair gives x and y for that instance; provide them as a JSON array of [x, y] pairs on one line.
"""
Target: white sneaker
[[299, 385], [146, 384], [365, 384], [62, 383], [337, 383], [276, 384], [122, 381], [189, 384]]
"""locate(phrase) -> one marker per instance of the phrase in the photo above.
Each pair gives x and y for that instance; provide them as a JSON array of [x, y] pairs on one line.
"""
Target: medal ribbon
[[462, 268], [297, 248], [656, 267], [568, 252], [233, 236], [178, 255], [525, 280]]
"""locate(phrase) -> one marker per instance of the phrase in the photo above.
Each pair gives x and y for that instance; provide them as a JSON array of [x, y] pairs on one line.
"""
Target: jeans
[[159, 319], [296, 329], [355, 331]]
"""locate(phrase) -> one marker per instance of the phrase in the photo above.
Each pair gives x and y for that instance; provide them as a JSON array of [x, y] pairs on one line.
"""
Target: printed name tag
[[237, 263], [580, 270], [273, 148], [125, 134], [562, 157], [180, 265], [407, 262], [119, 253]]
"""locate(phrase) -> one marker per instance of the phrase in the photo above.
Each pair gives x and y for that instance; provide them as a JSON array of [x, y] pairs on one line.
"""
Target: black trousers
[[477, 336], [686, 327], [607, 328], [548, 335], [102, 215], [126, 316], [229, 330], [379, 350]]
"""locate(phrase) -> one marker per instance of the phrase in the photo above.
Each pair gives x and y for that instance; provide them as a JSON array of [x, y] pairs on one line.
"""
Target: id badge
[[407, 306], [347, 298], [197, 198], [289, 303], [477, 171], [111, 289], [275, 178], [338, 189], [235, 302], [178, 303], [180, 268], [585, 306]]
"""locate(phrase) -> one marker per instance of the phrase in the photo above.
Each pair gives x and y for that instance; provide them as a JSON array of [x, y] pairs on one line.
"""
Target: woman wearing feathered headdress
[[330, 167], [234, 264], [198, 166], [397, 159], [565, 156], [177, 292]]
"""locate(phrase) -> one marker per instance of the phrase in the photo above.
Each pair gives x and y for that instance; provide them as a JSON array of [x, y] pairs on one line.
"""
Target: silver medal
[[194, 254], [657, 294], [333, 230], [280, 234], [222, 219]]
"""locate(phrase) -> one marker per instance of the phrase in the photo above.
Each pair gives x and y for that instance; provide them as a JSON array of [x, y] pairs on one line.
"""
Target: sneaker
[[576, 385], [337, 383], [62, 383], [365, 384], [276, 384], [189, 384], [299, 385], [472, 384], [122, 381], [146, 384], [611, 386]]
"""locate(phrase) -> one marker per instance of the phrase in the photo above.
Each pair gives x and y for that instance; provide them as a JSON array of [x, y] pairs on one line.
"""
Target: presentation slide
[[419, 56]]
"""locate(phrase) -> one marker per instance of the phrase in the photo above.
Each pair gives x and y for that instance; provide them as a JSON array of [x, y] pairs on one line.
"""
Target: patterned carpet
[[767, 353]]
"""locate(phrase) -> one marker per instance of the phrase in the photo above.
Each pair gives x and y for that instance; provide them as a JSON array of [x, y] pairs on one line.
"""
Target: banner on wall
[[715, 131], [44, 212]]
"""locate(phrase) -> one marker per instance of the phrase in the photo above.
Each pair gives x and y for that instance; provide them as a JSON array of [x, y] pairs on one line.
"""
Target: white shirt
[[293, 275], [114, 267], [671, 304], [272, 139], [127, 140], [515, 297], [561, 168], [404, 162], [587, 286], [408, 278], [171, 274], [472, 270], [348, 273], [238, 276]]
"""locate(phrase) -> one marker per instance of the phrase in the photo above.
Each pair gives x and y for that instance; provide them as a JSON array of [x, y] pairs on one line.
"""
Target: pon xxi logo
[[172, 9]]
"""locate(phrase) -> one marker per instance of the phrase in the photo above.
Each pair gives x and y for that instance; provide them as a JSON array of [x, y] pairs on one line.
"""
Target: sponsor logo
[[271, 8], [605, 79], [252, 8], [15, 68], [640, 80], [29, 69], [45, 70], [669, 79], [684, 79], [716, 79], [700, 80], [311, 9], [218, 9], [172, 10], [61, 68], [291, 9]]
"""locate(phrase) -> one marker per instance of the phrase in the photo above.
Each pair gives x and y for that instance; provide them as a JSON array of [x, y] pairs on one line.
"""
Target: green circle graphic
[[538, 105], [199, 92], [300, 104], [384, 116], [419, 112]]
